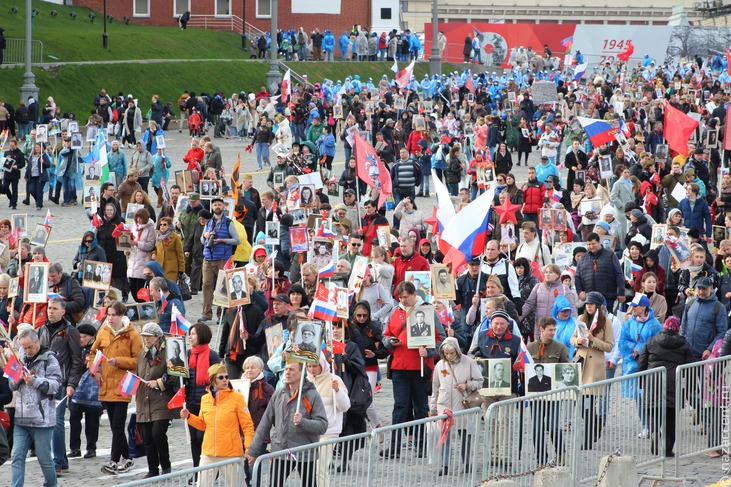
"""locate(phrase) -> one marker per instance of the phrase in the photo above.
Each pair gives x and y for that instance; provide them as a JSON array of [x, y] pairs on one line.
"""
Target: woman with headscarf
[[455, 376], [223, 417], [169, 249], [110, 220], [562, 311], [88, 250], [669, 350], [153, 396], [591, 344], [200, 358], [650, 263]]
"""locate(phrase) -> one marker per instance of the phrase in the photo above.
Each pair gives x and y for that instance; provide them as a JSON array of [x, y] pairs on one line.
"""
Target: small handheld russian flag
[[47, 221], [524, 357], [327, 271], [95, 363], [129, 384], [178, 324]]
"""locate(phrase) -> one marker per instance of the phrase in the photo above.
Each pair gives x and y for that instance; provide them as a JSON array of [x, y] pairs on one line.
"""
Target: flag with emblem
[[371, 169], [235, 176], [13, 370]]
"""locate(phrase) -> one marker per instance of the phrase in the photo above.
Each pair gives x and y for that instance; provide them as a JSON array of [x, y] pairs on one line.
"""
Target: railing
[[15, 51], [232, 23], [295, 77], [220, 474]]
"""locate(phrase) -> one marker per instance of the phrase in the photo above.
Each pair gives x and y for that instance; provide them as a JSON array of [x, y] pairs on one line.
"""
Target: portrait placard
[[443, 286], [661, 153], [608, 241], [40, 235], [384, 236], [419, 123], [605, 167], [322, 252], [77, 143], [42, 133], [539, 378], [184, 179], [420, 330], [176, 357], [97, 275], [73, 126], [36, 279], [13, 287], [92, 191], [272, 233], [658, 235], [132, 208], [307, 195], [124, 242], [209, 189], [337, 112], [92, 172], [422, 282], [275, 338], [237, 287], [299, 239], [220, 292], [341, 302], [500, 377], [91, 132], [307, 342], [20, 223], [567, 375]]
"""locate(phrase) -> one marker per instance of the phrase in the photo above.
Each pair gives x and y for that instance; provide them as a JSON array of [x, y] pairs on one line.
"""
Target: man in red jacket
[[369, 225], [534, 193], [409, 261], [409, 384]]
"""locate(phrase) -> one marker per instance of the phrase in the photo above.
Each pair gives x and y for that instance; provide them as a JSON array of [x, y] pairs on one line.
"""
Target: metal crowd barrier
[[701, 408], [625, 413], [228, 473], [525, 434]]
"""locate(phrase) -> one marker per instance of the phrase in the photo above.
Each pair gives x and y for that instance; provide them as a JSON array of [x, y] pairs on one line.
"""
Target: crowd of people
[[618, 271]]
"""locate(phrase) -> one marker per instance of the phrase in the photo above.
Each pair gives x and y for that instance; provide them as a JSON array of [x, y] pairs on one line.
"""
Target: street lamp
[[273, 76], [435, 60], [105, 36], [243, 26], [29, 87]]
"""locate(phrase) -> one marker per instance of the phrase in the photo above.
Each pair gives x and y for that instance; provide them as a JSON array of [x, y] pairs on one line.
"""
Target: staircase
[[232, 23]]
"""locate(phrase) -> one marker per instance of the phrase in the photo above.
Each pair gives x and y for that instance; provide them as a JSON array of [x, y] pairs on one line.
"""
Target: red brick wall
[[161, 14]]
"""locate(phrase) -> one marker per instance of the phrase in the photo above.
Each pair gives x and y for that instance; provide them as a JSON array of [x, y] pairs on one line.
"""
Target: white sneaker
[[645, 433], [110, 468], [124, 465]]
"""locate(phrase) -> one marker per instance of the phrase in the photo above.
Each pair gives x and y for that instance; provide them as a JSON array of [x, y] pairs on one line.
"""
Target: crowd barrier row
[[513, 438]]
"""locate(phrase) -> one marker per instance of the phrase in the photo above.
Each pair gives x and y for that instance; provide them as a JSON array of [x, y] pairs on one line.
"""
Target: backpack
[[24, 116], [360, 395]]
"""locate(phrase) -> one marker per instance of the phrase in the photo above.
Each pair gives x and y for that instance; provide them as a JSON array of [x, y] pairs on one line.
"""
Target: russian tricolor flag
[[129, 384], [95, 363], [325, 232], [635, 269], [323, 308], [445, 208], [327, 271], [178, 324], [579, 71], [600, 131], [524, 357], [465, 235]]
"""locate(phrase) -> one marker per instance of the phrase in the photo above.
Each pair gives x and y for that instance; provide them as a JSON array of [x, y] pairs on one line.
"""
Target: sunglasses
[[88, 241], [361, 316], [353, 244], [338, 325], [222, 377]]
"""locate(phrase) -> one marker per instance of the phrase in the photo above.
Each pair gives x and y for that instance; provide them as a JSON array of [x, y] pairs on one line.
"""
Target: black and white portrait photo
[[91, 193], [147, 312], [20, 222], [307, 195], [13, 287], [97, 275], [442, 282], [132, 313], [37, 283], [605, 167], [321, 252], [40, 235], [91, 132], [73, 126], [220, 291], [177, 359], [500, 377], [238, 291], [209, 189], [420, 327], [77, 143], [92, 172], [567, 375], [272, 233], [307, 342], [42, 133], [539, 377]]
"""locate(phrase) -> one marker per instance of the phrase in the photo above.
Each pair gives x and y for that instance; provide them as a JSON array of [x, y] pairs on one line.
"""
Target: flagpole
[[218, 331], [185, 423], [299, 392], [357, 201]]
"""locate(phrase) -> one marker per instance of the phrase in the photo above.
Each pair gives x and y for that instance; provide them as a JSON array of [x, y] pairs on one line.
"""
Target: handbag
[[473, 400], [184, 285], [87, 393]]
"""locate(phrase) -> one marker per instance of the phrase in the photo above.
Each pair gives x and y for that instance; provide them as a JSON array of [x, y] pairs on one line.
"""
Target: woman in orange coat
[[223, 412], [169, 249], [120, 343]]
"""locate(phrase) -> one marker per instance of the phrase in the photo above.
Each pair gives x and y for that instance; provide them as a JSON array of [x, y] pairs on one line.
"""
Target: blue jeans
[[424, 186], [303, 52], [475, 191], [348, 152], [69, 188], [299, 132], [453, 189], [35, 189], [409, 395], [41, 438], [59, 432], [24, 129], [262, 154]]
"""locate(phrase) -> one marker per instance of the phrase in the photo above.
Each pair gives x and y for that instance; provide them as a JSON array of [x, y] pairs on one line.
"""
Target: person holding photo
[[14, 162], [36, 173], [169, 250], [161, 171]]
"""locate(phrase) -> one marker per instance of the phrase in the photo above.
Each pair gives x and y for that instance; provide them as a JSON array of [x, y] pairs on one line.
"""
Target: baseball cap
[[283, 298], [640, 300], [193, 196], [704, 282]]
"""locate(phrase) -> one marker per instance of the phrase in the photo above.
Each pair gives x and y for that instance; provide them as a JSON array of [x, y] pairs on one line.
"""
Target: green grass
[[80, 40]]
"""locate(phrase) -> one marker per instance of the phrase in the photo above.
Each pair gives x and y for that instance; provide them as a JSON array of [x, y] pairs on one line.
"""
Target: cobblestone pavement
[[68, 225]]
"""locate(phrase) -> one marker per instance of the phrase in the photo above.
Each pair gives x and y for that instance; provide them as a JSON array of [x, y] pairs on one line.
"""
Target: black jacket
[[63, 339], [71, 291], [194, 392], [666, 349], [253, 317], [368, 337], [17, 156]]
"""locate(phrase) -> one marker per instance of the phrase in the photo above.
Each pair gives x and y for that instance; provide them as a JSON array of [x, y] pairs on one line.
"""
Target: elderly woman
[[259, 390], [455, 376], [169, 249], [223, 416], [88, 250], [410, 217], [153, 396], [143, 242]]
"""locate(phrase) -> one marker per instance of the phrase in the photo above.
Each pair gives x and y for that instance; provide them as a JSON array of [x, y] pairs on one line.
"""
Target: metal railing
[[701, 408], [227, 473], [231, 22], [15, 51]]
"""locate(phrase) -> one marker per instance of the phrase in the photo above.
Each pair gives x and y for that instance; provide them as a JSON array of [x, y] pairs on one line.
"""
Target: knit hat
[[604, 225], [500, 314], [637, 213], [594, 297], [86, 329], [672, 323]]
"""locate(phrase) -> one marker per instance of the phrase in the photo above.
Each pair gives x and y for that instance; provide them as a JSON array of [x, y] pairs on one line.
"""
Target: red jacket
[[405, 358], [412, 145], [414, 263], [533, 194]]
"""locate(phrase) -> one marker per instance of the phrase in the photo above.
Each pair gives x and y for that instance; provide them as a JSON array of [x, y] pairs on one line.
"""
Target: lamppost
[[29, 87], [273, 76], [243, 26], [435, 60], [105, 36]]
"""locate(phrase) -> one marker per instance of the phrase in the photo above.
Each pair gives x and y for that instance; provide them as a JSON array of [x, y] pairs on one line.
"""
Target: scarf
[[725, 188], [258, 389], [163, 236], [200, 358], [695, 268]]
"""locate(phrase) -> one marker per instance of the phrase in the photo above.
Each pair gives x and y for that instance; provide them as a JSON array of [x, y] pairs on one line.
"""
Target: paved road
[[68, 226]]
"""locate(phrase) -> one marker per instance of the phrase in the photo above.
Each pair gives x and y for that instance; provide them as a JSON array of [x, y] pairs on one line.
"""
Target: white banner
[[601, 43], [316, 7]]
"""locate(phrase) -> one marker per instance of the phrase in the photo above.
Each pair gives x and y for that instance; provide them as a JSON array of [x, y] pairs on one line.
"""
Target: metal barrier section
[[702, 408], [15, 51], [423, 452], [526, 434], [228, 473], [625, 414], [332, 462]]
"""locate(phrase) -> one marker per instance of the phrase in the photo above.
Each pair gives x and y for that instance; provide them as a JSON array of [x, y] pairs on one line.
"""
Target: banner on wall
[[597, 43], [331, 7]]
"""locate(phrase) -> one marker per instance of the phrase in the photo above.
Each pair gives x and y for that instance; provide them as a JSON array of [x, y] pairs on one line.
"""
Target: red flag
[[727, 131], [469, 84], [371, 169], [728, 61], [120, 229], [338, 348], [13, 369], [96, 220], [404, 76], [678, 129], [178, 399], [624, 56], [14, 237]]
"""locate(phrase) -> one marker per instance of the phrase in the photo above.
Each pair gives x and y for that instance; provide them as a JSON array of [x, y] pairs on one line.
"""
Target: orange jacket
[[124, 347], [221, 419]]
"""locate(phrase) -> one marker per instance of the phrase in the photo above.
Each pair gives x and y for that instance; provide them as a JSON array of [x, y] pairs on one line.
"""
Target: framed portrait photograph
[[422, 282], [275, 338], [581, 175], [77, 143], [399, 103], [307, 195], [658, 235], [160, 141], [92, 191], [469, 129], [357, 273], [419, 123], [539, 378], [711, 139], [124, 242], [559, 219], [485, 173], [567, 375], [299, 216], [500, 377], [299, 239], [89, 318], [420, 328], [608, 241], [605, 167], [507, 234], [593, 205], [384, 236], [147, 312], [661, 153], [719, 233], [220, 292], [97, 275], [40, 235], [307, 342], [237, 286], [341, 302], [333, 188], [42, 133], [91, 132], [442, 280], [36, 279], [73, 126], [546, 220], [278, 179], [627, 268], [13, 287], [132, 313], [209, 189], [132, 208], [176, 356], [511, 97], [272, 233], [337, 111], [92, 172], [20, 222], [321, 252]]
